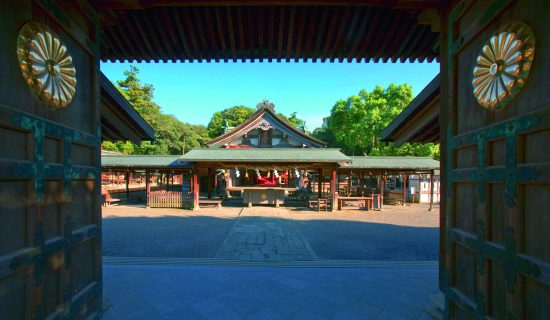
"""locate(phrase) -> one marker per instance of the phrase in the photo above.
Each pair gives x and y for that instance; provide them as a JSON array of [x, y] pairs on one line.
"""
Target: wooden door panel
[[50, 220], [496, 253]]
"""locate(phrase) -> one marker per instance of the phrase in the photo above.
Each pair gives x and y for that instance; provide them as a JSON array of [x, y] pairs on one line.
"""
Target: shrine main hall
[[266, 160]]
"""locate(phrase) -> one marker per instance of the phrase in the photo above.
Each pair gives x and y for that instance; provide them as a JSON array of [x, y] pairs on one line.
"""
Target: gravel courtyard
[[272, 234]]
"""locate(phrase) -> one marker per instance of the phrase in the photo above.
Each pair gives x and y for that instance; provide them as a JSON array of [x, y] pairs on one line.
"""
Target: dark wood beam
[[199, 23], [320, 34], [138, 23], [300, 35], [366, 17], [290, 33], [220, 24], [351, 33], [159, 45], [261, 28], [330, 33], [375, 37], [142, 4], [176, 46], [252, 32], [338, 36], [311, 31], [396, 26], [231, 32], [181, 32], [372, 29], [281, 23], [188, 23]]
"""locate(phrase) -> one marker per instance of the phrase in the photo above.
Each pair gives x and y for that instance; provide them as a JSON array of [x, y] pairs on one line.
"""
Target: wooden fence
[[170, 199]]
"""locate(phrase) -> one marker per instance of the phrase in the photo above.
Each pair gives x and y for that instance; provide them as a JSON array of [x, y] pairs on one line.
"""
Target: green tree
[[355, 124], [171, 135], [324, 133], [297, 122], [230, 117]]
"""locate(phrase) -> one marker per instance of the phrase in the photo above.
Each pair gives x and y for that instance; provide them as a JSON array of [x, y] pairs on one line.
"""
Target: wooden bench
[[366, 201], [319, 204], [210, 203], [108, 200], [394, 198]]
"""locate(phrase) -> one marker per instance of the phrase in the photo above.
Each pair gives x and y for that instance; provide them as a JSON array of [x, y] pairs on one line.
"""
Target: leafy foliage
[[171, 135], [230, 117], [234, 116], [297, 122], [354, 125]]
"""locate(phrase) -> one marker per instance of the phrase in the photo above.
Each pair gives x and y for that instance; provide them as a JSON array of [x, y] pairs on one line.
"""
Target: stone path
[[258, 235], [386, 290]]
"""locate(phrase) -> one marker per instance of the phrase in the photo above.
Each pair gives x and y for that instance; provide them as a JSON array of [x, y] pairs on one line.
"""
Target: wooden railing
[[169, 199]]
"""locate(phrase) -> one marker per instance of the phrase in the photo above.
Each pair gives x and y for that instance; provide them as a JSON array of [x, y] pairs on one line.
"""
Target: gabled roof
[[282, 155], [252, 122], [119, 120], [393, 163], [419, 121]]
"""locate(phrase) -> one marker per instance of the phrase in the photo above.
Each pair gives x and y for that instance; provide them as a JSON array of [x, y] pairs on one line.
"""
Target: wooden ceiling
[[393, 30]]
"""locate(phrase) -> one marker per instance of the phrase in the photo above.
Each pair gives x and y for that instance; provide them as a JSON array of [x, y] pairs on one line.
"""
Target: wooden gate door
[[496, 141], [50, 220]]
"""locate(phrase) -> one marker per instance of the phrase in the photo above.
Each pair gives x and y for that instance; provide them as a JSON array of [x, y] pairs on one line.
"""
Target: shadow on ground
[[202, 236]]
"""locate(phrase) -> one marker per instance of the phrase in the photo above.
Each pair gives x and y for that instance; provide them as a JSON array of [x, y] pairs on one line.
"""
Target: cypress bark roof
[[252, 122]]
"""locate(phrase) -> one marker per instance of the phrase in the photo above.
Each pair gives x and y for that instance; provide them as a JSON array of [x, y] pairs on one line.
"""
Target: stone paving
[[394, 291], [272, 234], [257, 263], [258, 235]]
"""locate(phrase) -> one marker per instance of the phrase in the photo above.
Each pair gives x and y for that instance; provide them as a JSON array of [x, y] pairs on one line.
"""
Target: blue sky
[[194, 91]]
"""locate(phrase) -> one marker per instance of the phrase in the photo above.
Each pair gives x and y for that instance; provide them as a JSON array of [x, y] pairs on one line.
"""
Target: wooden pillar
[[127, 178], [405, 178], [209, 183], [349, 183], [360, 189], [147, 187], [195, 189], [215, 184], [333, 190], [382, 190], [172, 181], [320, 184], [431, 190]]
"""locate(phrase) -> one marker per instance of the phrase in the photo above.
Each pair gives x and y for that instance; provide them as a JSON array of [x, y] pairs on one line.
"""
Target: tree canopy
[[171, 135], [234, 116], [230, 117], [354, 124]]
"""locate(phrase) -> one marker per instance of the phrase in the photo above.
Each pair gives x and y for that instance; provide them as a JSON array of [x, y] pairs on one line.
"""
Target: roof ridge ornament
[[265, 104]]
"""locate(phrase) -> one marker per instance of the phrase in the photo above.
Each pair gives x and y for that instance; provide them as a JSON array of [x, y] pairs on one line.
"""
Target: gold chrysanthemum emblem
[[46, 65], [503, 65]]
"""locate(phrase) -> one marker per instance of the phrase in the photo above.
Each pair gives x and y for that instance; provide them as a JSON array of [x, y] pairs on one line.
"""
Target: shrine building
[[266, 160]]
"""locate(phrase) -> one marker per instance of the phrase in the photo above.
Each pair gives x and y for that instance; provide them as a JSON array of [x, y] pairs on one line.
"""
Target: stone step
[[288, 264]]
